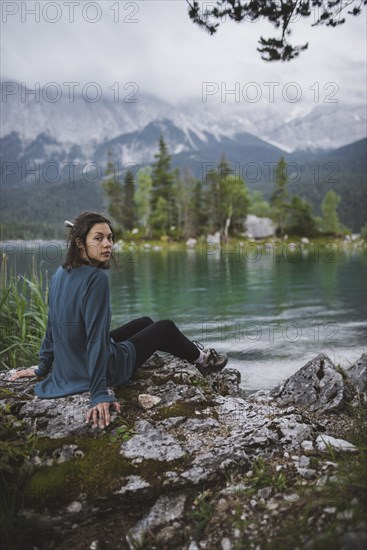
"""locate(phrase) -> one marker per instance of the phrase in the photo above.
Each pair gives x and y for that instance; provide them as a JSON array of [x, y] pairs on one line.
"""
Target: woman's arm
[[24, 373], [96, 312]]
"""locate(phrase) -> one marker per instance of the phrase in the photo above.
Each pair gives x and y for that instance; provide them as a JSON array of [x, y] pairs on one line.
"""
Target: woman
[[85, 355]]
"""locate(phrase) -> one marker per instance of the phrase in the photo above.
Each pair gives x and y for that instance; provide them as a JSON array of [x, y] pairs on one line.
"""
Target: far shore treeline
[[159, 202]]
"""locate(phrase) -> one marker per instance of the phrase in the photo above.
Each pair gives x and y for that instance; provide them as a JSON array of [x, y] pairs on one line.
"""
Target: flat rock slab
[[325, 442]]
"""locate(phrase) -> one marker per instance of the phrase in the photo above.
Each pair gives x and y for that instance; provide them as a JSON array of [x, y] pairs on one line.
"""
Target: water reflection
[[270, 312]]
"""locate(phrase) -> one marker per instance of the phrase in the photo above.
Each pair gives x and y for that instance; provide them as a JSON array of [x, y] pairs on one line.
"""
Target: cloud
[[170, 57]]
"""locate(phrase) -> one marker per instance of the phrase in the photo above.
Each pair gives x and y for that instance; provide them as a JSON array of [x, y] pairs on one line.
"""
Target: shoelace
[[198, 344]]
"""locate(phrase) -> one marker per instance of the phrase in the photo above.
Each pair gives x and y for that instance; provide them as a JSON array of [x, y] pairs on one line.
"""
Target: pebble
[[272, 505], [307, 473], [226, 544], [148, 401], [321, 482], [233, 489], [74, 507], [329, 464], [346, 514], [293, 497], [265, 492], [304, 461], [222, 505], [307, 445]]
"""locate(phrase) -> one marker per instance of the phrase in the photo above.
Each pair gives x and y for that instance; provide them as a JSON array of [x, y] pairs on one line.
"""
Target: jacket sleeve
[[96, 311]]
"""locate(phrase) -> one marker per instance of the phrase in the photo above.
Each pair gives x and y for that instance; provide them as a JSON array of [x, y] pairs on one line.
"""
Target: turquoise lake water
[[270, 312]]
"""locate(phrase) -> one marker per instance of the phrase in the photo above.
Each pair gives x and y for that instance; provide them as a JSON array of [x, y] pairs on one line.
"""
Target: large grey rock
[[317, 386], [357, 375], [259, 228]]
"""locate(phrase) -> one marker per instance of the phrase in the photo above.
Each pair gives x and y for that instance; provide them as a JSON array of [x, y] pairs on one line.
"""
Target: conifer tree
[[162, 188], [301, 221], [143, 199], [330, 220], [226, 199], [278, 200], [129, 209], [114, 191]]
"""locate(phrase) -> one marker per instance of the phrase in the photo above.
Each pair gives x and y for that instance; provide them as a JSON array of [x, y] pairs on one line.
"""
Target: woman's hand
[[100, 414], [23, 373]]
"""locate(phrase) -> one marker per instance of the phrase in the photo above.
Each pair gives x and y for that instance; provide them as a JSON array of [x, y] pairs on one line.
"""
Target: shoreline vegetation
[[159, 202]]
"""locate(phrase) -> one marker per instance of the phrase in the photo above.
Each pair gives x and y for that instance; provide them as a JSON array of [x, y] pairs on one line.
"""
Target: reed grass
[[23, 312]]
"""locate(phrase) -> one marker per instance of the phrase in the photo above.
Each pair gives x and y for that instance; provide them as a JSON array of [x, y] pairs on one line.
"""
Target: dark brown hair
[[82, 225]]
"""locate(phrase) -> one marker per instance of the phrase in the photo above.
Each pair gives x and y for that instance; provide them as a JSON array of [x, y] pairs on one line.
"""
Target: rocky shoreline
[[190, 463]]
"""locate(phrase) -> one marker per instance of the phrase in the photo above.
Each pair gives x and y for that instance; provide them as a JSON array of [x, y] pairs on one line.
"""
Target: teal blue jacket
[[77, 342]]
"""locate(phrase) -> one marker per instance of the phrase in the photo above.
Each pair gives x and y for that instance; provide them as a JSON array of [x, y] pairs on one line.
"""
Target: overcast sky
[[156, 45]]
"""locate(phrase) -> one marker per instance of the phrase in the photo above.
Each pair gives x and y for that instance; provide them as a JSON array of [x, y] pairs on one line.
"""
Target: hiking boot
[[213, 362]]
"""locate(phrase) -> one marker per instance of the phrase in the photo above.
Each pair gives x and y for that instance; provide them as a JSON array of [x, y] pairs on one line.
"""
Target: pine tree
[[301, 221], [330, 220], [258, 205], [143, 199], [235, 204], [214, 191], [278, 200], [114, 191], [226, 199], [162, 188], [129, 209]]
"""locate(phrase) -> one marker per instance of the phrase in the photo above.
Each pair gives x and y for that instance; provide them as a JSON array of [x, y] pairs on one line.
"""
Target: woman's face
[[99, 242]]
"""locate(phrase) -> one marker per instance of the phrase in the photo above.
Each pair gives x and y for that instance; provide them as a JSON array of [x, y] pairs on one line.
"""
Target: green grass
[[23, 312]]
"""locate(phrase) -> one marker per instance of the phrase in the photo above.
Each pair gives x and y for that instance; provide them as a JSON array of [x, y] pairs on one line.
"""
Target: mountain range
[[324, 144]]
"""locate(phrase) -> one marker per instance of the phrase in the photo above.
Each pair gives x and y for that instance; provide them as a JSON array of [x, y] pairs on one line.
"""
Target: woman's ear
[[79, 243]]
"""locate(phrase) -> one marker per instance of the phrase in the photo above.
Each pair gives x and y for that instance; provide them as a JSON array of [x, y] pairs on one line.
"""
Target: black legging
[[149, 336]]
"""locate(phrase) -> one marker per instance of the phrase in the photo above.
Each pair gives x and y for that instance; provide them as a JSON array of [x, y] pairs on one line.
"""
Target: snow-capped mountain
[[79, 127]]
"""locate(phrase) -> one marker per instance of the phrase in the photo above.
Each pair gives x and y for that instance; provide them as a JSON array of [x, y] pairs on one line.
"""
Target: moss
[[129, 393], [98, 473], [152, 471], [5, 393], [181, 408]]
